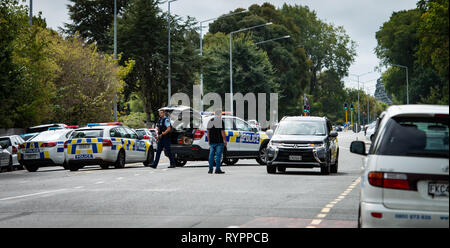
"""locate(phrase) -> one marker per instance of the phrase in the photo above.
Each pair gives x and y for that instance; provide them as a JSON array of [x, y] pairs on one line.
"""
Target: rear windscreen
[[48, 135], [422, 137], [5, 141], [91, 133], [141, 132]]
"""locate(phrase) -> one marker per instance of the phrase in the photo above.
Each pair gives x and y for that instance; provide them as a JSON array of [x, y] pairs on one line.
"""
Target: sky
[[360, 18]]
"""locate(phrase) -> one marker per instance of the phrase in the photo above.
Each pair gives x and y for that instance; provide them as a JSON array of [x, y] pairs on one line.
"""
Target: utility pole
[[115, 55], [31, 13]]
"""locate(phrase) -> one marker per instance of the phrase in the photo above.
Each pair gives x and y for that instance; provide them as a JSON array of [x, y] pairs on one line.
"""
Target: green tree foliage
[[418, 39], [93, 20], [142, 33]]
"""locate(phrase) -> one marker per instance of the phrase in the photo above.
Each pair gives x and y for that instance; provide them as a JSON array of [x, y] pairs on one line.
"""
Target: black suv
[[303, 142]]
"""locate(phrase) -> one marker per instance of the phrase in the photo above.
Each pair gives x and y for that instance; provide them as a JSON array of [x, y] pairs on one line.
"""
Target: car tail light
[[377, 215], [107, 142], [146, 137], [389, 180], [14, 150], [65, 144], [49, 144], [199, 134]]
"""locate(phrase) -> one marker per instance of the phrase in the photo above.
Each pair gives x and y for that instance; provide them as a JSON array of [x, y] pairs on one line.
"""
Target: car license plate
[[438, 189], [84, 146], [84, 156], [295, 158], [31, 156]]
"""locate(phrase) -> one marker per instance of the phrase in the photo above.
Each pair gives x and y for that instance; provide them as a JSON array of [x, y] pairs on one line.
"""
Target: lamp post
[[115, 56], [168, 53], [201, 50], [231, 59], [407, 84], [359, 107], [31, 13]]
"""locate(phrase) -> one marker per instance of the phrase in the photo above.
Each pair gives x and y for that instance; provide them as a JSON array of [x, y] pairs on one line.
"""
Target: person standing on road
[[164, 129], [217, 141]]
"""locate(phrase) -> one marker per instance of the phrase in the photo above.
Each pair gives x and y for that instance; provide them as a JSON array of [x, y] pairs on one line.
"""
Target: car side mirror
[[269, 132], [358, 147], [333, 134]]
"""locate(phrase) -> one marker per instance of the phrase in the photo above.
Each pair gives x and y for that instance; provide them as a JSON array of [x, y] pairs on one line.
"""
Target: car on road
[[12, 143], [370, 131], [5, 158], [44, 149], [107, 144], [148, 135], [189, 140], [303, 142], [405, 176]]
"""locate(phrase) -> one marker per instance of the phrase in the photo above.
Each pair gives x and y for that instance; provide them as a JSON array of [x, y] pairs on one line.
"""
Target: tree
[[93, 20]]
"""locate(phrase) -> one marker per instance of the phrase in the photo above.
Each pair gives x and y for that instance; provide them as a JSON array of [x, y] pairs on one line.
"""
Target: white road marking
[[315, 222], [79, 187], [99, 182], [23, 196]]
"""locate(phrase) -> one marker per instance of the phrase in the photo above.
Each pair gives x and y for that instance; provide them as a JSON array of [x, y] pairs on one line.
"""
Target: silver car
[[13, 142], [5, 159]]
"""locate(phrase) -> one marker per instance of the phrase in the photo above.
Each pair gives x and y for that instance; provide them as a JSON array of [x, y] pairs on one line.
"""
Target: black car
[[303, 142]]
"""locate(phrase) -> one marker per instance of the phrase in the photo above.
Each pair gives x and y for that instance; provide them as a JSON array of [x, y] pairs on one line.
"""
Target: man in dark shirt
[[217, 141]]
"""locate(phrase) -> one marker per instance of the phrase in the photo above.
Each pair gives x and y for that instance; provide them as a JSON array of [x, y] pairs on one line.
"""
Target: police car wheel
[[120, 162], [262, 158], [32, 167], [104, 166], [65, 165], [150, 157], [271, 169], [180, 162], [73, 167]]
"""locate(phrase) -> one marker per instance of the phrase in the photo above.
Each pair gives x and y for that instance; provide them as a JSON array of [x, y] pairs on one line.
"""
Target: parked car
[[404, 181], [12, 143], [148, 135], [303, 142], [107, 144], [5, 158], [189, 140], [45, 149], [370, 131]]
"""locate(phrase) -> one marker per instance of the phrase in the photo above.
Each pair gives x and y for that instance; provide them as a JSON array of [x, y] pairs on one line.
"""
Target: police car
[[44, 149], [107, 144], [243, 142]]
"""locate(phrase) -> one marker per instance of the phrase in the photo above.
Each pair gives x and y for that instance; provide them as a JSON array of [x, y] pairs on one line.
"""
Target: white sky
[[360, 18]]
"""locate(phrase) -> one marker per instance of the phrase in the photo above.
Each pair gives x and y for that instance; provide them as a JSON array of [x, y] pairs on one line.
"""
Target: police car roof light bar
[[54, 128]]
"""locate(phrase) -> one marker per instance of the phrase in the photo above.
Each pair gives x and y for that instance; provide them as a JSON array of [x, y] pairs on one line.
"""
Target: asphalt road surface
[[138, 196]]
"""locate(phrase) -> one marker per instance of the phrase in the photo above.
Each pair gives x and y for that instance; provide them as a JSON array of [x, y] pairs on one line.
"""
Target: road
[[137, 196]]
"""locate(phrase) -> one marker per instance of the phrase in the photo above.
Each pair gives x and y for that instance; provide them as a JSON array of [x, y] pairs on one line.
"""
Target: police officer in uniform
[[164, 129]]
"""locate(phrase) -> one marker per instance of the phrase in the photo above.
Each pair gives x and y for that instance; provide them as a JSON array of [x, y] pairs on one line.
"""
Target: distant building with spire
[[380, 93]]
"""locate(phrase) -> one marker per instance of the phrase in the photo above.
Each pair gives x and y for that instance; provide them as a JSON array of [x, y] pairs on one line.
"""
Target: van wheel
[[150, 157], [180, 162], [120, 162], [32, 167], [231, 161]]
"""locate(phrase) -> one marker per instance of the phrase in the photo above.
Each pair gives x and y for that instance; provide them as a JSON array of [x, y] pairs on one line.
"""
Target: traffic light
[[351, 107], [308, 109], [345, 106]]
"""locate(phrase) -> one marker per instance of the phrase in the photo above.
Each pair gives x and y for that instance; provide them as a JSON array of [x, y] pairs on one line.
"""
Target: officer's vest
[[162, 128]]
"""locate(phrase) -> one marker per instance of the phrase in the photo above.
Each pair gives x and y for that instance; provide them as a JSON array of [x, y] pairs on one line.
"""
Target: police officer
[[164, 129]]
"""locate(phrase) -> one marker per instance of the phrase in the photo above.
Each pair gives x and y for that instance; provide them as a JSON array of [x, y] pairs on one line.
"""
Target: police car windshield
[[301, 128], [49, 135], [89, 133]]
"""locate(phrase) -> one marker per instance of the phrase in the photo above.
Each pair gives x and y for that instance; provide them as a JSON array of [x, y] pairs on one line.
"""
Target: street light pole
[[201, 50], [115, 55], [31, 13], [231, 59], [407, 83], [279, 38], [359, 106]]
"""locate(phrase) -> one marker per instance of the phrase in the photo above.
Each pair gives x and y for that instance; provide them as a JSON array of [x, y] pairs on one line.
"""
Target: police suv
[[107, 144], [44, 149], [243, 140]]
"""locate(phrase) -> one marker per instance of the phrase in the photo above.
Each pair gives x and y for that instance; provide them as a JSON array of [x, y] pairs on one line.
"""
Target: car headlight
[[318, 146]]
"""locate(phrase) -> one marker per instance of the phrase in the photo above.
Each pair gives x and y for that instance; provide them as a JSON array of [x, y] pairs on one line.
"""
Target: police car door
[[249, 140], [130, 145], [231, 134], [140, 147]]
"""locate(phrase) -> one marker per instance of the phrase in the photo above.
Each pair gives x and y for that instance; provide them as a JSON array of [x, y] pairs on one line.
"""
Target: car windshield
[[141, 132], [89, 133], [49, 135], [421, 137], [301, 128]]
